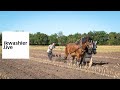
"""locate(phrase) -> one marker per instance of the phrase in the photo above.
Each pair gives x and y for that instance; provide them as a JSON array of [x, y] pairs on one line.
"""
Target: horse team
[[82, 49]]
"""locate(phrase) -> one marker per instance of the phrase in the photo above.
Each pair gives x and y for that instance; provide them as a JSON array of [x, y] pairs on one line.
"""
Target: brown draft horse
[[78, 50]]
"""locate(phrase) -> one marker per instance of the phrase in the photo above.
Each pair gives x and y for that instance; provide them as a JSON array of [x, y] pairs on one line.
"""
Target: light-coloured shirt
[[50, 48]]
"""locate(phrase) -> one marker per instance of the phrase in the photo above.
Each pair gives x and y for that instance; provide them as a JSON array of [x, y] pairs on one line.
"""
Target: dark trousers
[[50, 55]]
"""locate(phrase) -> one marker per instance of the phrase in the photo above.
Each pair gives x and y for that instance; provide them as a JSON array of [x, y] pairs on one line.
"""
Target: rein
[[79, 47]]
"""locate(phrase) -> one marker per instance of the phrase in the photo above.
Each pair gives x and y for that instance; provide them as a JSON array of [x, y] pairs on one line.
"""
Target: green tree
[[62, 40], [113, 38], [31, 37], [101, 37], [53, 38], [70, 39], [59, 37]]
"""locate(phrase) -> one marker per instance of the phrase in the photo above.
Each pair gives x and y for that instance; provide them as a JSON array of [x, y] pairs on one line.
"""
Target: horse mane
[[83, 40], [77, 42], [87, 38]]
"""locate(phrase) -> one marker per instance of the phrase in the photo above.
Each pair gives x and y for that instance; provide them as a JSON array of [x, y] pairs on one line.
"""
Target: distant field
[[108, 49], [46, 47], [99, 48], [61, 48]]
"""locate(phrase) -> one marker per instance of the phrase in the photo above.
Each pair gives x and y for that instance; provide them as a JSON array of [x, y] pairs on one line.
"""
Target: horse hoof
[[80, 67], [88, 67]]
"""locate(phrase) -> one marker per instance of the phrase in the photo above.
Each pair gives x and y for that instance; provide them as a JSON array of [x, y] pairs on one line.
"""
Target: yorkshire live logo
[[15, 45]]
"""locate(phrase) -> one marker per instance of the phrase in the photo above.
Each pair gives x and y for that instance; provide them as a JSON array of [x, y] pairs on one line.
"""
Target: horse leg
[[86, 64], [66, 56], [77, 57], [90, 63], [76, 62], [81, 62], [66, 53], [73, 57]]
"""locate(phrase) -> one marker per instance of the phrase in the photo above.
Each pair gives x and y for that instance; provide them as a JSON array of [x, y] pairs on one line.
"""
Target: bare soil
[[105, 66]]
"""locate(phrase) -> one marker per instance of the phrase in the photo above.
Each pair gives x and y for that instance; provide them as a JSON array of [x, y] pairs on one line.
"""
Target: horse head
[[87, 44], [91, 47], [94, 47]]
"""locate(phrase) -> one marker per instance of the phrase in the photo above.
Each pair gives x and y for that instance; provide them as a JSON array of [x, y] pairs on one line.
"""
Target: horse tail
[[66, 52]]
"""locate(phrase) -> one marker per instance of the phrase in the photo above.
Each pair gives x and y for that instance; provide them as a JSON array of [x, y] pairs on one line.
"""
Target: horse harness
[[80, 47]]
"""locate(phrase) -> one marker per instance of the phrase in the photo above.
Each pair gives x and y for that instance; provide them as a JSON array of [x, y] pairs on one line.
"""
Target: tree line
[[102, 37]]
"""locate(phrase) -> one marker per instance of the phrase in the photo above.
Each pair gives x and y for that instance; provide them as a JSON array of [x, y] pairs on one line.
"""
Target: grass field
[[101, 49], [108, 49]]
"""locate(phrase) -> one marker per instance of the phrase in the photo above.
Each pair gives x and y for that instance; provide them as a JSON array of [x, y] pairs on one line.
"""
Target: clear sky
[[69, 22]]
